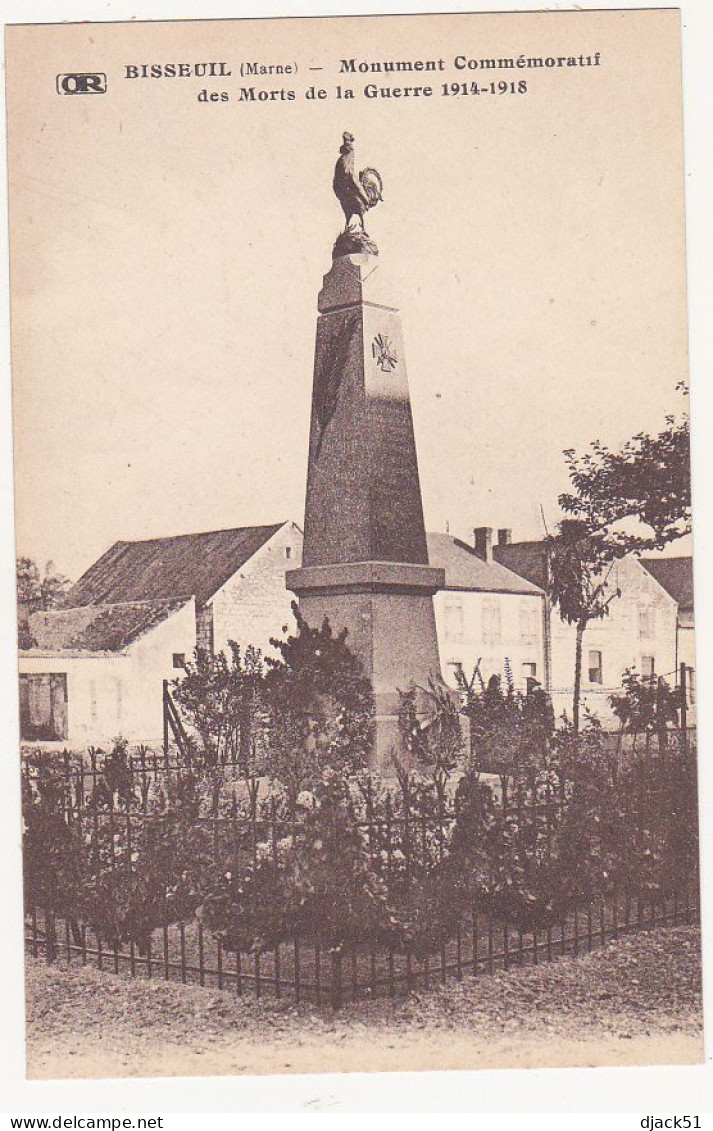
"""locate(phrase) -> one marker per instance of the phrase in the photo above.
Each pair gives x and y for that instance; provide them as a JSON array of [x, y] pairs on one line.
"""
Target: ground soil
[[635, 1001]]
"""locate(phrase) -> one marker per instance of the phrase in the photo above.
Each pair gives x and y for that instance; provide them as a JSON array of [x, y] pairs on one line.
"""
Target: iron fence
[[402, 829]]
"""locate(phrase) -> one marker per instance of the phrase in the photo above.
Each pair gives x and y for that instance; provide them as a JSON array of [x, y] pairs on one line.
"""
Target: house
[[640, 631], [676, 577], [97, 671], [95, 668], [487, 616]]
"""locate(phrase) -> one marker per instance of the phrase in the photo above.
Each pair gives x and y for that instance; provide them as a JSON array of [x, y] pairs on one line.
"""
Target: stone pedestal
[[365, 561]]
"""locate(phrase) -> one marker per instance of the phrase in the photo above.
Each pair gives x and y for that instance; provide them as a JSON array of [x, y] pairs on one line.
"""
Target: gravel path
[[636, 1001]]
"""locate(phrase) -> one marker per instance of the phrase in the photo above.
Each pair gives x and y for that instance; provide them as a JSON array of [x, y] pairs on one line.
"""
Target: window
[[529, 671], [288, 551], [454, 619], [491, 621], [648, 667], [43, 707], [595, 667], [455, 672], [528, 623], [647, 622], [179, 659]]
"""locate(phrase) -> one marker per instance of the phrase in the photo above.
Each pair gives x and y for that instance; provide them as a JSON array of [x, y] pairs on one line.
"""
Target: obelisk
[[365, 562]]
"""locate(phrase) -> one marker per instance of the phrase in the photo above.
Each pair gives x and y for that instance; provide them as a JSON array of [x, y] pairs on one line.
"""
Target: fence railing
[[189, 954], [108, 805]]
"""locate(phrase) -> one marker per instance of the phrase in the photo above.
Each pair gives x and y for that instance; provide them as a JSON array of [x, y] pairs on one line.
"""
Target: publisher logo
[[78, 83]]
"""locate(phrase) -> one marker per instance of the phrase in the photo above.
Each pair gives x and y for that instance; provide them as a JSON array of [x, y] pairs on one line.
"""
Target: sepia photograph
[[355, 608]]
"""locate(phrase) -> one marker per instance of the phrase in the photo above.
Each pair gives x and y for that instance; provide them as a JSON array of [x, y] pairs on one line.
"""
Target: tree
[[580, 564], [35, 593], [639, 496], [627, 501]]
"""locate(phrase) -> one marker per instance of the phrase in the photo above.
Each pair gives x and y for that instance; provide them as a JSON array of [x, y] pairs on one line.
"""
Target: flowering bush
[[122, 877], [341, 862], [317, 884], [137, 876]]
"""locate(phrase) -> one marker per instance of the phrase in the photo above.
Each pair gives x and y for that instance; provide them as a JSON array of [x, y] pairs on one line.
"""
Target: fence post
[[684, 708], [165, 718], [336, 978], [51, 938]]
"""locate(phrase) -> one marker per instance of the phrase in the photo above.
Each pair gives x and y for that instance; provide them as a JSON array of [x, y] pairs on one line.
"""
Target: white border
[[642, 1090]]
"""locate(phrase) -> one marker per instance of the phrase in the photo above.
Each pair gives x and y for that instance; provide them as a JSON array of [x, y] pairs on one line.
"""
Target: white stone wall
[[255, 604], [119, 694], [151, 663], [642, 623], [490, 627]]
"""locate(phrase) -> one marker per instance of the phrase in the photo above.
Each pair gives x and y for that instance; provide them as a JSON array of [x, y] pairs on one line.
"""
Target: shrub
[[317, 883], [140, 875], [221, 699], [646, 706], [320, 708], [550, 847], [508, 731], [51, 845]]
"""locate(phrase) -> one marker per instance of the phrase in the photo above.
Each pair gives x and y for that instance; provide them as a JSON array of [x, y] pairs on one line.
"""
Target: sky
[[166, 256]]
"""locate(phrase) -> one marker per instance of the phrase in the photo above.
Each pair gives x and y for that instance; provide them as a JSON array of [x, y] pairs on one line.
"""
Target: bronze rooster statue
[[356, 196]]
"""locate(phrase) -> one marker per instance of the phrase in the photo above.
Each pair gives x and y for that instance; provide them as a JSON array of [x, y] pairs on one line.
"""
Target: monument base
[[387, 609]]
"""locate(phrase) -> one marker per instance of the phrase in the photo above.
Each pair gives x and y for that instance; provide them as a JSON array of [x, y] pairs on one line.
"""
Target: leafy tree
[[640, 495], [627, 501], [36, 592], [580, 564]]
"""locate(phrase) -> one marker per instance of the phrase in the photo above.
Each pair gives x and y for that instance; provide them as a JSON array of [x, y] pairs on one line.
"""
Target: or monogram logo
[[385, 358], [81, 84]]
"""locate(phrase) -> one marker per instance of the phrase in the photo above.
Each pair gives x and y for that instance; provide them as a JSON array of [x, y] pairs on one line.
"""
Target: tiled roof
[[466, 570], [676, 577], [97, 628], [190, 565]]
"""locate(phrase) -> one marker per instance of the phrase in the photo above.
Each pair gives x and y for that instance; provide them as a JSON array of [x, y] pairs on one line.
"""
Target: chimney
[[483, 542], [504, 537]]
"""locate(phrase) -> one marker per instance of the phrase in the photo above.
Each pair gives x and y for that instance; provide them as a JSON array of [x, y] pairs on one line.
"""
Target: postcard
[[357, 676]]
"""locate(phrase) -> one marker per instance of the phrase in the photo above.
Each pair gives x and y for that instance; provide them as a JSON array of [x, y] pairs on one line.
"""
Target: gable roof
[[164, 569], [97, 628], [466, 570], [675, 575]]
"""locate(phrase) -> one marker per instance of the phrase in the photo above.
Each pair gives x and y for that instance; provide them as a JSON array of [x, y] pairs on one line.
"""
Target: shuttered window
[[43, 707]]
